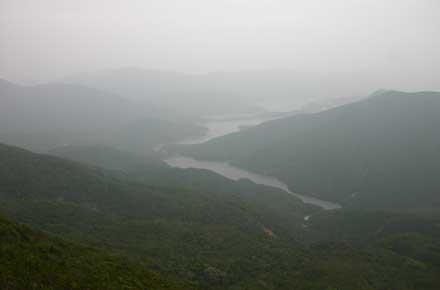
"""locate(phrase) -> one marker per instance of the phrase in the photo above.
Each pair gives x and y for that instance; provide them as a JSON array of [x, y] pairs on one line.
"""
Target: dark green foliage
[[176, 223], [33, 260], [383, 152], [110, 158], [409, 243], [192, 225]]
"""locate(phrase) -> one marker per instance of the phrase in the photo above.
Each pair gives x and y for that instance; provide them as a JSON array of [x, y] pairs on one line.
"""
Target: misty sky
[[390, 39]]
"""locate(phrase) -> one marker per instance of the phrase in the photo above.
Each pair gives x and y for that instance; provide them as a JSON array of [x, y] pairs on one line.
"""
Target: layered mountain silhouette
[[46, 116], [381, 152]]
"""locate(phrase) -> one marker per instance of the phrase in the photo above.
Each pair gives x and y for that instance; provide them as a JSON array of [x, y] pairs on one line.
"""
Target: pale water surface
[[221, 125], [236, 173], [226, 124]]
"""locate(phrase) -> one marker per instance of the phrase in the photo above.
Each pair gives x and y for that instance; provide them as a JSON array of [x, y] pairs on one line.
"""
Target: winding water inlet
[[220, 126]]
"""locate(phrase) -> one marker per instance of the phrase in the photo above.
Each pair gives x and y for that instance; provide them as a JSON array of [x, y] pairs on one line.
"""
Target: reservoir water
[[236, 173], [222, 125], [226, 124]]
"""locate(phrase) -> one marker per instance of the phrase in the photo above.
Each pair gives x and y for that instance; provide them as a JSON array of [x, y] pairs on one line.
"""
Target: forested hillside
[[382, 152], [31, 259], [219, 145], [199, 228], [181, 230]]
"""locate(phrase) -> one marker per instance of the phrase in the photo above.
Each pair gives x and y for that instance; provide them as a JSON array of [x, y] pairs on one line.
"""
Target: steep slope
[[380, 152], [235, 236], [31, 259], [108, 157], [284, 211], [186, 230]]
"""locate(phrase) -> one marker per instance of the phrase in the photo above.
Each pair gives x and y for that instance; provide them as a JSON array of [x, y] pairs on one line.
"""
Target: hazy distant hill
[[222, 92], [380, 152], [176, 93], [140, 136], [46, 116], [58, 107]]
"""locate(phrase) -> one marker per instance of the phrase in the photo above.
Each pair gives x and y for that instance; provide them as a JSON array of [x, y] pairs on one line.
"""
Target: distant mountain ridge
[[67, 111], [46, 116], [172, 92], [383, 151]]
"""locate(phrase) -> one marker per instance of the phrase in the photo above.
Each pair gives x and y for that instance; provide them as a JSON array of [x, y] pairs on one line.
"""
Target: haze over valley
[[237, 145]]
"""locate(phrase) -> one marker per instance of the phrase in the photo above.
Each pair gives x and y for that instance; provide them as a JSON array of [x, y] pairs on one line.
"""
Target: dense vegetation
[[188, 231], [31, 259], [382, 152], [195, 226]]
